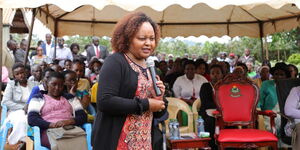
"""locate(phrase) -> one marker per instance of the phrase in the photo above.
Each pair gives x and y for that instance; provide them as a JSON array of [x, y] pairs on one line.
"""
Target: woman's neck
[[54, 97], [24, 84], [136, 60]]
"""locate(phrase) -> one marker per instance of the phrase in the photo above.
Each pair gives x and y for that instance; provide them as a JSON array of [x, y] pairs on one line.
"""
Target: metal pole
[[1, 38], [261, 34], [55, 39], [266, 47], [30, 34]]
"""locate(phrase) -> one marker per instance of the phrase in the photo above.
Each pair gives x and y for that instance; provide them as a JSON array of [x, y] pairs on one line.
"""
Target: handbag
[[289, 128], [67, 138]]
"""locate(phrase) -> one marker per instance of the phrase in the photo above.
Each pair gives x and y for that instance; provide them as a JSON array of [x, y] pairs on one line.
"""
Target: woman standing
[[126, 100]]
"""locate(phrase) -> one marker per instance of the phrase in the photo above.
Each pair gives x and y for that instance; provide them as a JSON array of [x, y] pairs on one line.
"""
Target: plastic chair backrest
[[283, 88], [35, 133], [91, 110], [174, 107], [3, 114], [3, 134], [195, 109]]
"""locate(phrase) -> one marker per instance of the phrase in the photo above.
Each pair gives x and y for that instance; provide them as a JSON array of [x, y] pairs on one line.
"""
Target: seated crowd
[[56, 93]]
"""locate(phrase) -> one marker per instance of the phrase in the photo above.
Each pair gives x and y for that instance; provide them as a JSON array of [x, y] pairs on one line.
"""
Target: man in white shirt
[[62, 53], [48, 45], [187, 87]]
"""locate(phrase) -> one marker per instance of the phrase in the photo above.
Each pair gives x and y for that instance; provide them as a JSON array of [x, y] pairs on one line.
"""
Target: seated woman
[[78, 66], [293, 70], [202, 68], [187, 87], [55, 109], [264, 73], [94, 67], [268, 96], [39, 57], [71, 87], [207, 101], [15, 97], [292, 110]]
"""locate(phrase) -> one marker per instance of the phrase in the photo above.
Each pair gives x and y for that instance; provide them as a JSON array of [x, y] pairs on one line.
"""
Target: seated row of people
[[49, 100]]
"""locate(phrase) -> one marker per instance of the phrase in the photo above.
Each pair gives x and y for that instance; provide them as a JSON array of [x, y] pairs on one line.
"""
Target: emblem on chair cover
[[235, 91]]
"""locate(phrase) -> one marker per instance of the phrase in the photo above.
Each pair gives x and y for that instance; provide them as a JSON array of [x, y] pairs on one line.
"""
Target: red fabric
[[236, 106], [207, 77], [245, 135]]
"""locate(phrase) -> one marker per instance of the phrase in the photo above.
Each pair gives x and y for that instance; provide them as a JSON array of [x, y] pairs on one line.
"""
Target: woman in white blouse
[[187, 87]]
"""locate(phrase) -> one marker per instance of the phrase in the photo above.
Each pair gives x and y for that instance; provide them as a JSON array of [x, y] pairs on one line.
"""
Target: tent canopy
[[15, 18], [251, 18]]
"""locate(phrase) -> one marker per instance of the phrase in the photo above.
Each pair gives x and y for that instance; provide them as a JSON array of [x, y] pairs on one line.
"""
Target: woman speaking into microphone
[[126, 100]]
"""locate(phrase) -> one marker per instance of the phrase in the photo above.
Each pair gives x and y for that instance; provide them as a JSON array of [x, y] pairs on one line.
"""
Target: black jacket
[[115, 100]]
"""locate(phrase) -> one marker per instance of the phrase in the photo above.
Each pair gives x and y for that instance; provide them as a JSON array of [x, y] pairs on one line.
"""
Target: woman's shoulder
[[268, 82], [206, 84], [68, 96], [115, 60], [200, 77], [38, 95], [115, 56], [11, 82]]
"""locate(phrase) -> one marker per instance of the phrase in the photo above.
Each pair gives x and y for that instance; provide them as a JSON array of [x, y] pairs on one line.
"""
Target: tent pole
[[1, 38], [261, 35], [55, 38], [30, 35]]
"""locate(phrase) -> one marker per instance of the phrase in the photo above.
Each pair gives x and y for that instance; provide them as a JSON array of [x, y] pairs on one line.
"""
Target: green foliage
[[294, 59]]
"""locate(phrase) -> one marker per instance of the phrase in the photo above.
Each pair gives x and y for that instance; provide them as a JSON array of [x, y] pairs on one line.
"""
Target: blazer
[[90, 52], [12, 96], [44, 47], [20, 56], [8, 60], [115, 100]]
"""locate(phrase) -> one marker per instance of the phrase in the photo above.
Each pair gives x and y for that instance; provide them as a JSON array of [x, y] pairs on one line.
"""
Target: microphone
[[151, 67]]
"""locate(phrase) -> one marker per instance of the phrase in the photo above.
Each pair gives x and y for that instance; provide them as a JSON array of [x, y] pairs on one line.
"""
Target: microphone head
[[150, 62]]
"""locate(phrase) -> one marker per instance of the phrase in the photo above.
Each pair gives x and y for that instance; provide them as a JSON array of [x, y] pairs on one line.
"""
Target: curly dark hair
[[74, 45], [127, 27]]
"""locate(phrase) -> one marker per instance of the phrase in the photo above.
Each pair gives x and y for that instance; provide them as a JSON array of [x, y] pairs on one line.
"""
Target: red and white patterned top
[[136, 131]]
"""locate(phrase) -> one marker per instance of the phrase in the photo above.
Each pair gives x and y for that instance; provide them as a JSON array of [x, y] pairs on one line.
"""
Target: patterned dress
[[136, 131]]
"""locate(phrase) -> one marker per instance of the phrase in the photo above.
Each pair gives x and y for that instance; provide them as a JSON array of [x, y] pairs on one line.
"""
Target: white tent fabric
[[253, 18]]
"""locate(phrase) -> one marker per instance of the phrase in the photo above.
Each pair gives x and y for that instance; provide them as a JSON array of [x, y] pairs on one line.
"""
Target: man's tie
[[97, 52]]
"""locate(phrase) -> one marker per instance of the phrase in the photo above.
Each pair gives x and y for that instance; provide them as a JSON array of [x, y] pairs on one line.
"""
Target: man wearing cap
[[231, 61]]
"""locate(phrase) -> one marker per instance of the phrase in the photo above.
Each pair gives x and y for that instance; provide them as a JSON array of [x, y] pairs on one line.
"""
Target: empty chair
[[174, 107], [236, 98]]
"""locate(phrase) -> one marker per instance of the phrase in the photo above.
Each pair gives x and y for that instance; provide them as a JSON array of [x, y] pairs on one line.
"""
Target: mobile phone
[[68, 127]]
